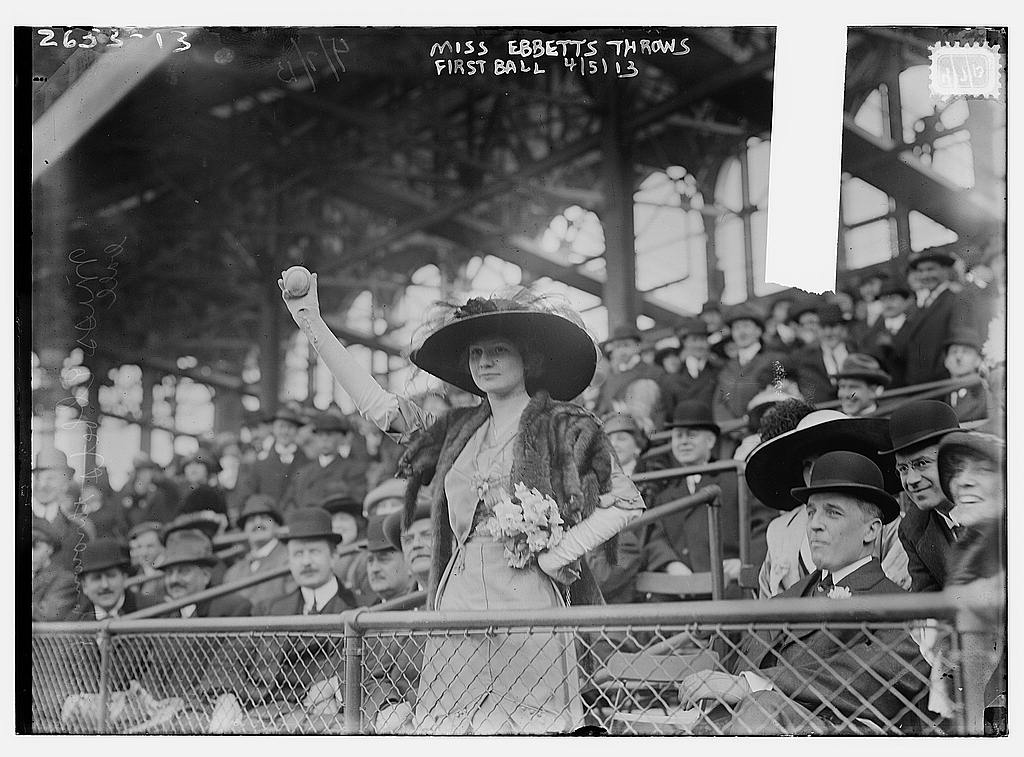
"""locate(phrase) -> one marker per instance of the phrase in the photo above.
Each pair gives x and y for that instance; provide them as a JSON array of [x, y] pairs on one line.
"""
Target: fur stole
[[560, 450]]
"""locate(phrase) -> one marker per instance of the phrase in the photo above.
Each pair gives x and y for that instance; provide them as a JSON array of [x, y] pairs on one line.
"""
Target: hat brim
[[972, 445], [207, 561], [272, 514], [209, 528], [776, 466], [568, 352], [887, 503], [943, 258], [745, 317], [330, 536], [872, 377], [707, 426], [125, 565], [918, 441]]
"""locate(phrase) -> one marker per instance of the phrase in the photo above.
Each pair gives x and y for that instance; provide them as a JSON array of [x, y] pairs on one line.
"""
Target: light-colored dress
[[496, 682]]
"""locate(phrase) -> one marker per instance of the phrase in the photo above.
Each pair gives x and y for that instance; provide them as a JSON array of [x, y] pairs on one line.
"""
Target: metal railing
[[849, 666]]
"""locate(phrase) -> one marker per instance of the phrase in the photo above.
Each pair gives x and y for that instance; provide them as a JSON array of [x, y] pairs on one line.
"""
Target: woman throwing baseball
[[526, 357]]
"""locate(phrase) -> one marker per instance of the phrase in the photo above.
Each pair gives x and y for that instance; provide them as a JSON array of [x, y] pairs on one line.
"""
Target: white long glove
[[372, 400], [586, 535]]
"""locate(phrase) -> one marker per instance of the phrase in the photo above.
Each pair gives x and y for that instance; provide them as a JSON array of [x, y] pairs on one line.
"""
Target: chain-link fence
[[865, 665]]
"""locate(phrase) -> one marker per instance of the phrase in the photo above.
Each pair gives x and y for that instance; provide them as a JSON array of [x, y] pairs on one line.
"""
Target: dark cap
[[310, 523], [849, 473], [745, 312], [100, 554], [260, 504], [693, 414], [939, 255], [920, 422]]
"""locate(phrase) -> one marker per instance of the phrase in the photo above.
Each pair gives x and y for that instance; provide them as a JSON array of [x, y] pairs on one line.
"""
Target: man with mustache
[[928, 529], [386, 569], [106, 566], [188, 564], [416, 542]]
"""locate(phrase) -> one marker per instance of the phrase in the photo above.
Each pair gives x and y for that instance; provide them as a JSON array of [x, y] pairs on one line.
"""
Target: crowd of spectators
[[924, 493]]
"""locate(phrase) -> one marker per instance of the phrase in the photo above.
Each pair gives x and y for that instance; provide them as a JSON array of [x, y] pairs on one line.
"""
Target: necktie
[[959, 532], [691, 483], [826, 584]]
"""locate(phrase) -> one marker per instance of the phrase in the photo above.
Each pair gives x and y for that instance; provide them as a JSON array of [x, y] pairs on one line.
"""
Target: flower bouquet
[[527, 522]]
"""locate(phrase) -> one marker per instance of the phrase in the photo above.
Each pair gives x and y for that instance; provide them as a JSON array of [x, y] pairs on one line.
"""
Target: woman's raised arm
[[375, 403]]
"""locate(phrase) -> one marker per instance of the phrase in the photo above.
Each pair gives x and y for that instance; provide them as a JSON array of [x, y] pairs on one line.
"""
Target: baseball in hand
[[296, 281]]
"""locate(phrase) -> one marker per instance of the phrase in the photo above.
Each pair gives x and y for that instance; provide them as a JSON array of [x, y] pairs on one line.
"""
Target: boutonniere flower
[[839, 592]]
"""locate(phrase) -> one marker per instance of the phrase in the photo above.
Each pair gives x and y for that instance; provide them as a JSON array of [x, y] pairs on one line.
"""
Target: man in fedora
[[817, 680], [106, 566], [416, 541], [54, 502], [920, 344], [276, 465], [628, 373], [678, 544], [963, 360], [187, 564], [860, 381], [341, 462], [784, 462], [388, 573], [54, 589], [737, 382], [819, 363], [698, 371], [260, 520], [928, 531], [878, 340], [202, 525]]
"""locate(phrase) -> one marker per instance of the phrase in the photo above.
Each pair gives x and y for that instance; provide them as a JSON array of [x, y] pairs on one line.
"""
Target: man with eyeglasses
[[927, 531]]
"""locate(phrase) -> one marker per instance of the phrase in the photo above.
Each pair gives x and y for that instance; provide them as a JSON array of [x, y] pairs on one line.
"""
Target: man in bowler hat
[[341, 463], [737, 381], [260, 520], [106, 566], [816, 680], [928, 530]]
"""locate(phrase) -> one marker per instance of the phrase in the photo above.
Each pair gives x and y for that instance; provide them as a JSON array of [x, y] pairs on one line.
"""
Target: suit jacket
[[879, 342], [162, 504], [269, 475], [54, 594], [919, 346], [738, 384], [683, 536], [970, 403], [815, 383], [837, 667], [788, 557], [74, 533], [262, 593], [226, 606], [678, 387], [928, 542], [313, 482], [291, 664]]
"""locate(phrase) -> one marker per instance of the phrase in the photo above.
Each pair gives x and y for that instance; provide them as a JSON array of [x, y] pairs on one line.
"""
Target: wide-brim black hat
[[844, 472], [919, 423], [972, 444], [393, 524], [569, 356], [776, 466], [938, 254], [101, 554], [310, 523]]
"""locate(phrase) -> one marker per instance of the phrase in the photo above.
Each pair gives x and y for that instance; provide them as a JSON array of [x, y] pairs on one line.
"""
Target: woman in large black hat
[[527, 357]]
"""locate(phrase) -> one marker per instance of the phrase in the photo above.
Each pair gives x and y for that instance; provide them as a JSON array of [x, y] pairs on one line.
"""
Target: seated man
[[628, 440], [260, 520], [963, 360], [388, 573], [188, 564], [784, 462], [830, 679], [54, 590], [105, 568], [416, 542], [860, 381], [145, 548], [678, 543], [294, 677]]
